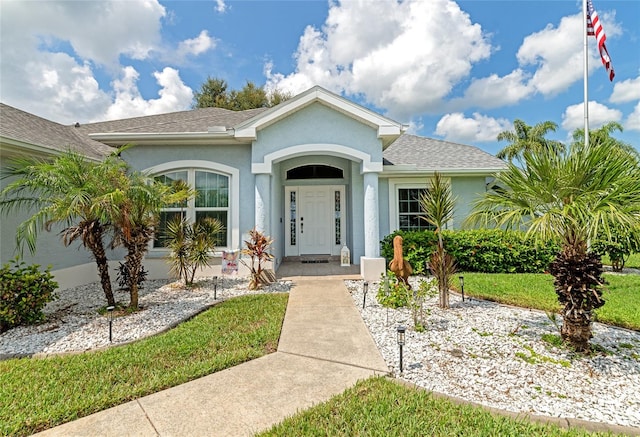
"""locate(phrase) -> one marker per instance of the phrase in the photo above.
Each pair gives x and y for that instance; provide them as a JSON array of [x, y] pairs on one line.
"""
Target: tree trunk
[[577, 331], [578, 282], [96, 246]]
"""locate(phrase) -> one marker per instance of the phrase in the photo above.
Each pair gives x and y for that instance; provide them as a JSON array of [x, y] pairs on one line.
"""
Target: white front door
[[315, 220]]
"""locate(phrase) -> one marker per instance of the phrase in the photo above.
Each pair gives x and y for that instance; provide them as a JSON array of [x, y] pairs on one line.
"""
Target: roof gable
[[387, 129]]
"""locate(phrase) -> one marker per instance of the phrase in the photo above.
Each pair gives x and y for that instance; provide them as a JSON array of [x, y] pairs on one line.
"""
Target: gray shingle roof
[[430, 155], [196, 120], [28, 128]]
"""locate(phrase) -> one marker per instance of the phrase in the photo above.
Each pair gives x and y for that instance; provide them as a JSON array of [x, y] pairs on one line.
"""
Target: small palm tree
[[572, 197], [134, 209], [525, 138], [63, 191], [437, 204], [191, 245]]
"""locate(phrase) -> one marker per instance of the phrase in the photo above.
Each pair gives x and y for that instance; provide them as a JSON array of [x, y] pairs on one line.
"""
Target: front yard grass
[[41, 393], [533, 290], [381, 407]]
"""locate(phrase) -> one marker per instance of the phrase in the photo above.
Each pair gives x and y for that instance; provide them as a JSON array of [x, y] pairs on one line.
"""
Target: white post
[[586, 72], [263, 203], [371, 222]]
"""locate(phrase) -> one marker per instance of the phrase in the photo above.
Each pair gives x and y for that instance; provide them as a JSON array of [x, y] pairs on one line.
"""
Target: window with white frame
[[211, 200], [409, 210]]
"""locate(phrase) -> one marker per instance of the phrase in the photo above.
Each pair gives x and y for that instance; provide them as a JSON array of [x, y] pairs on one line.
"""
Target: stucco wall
[[317, 124], [235, 156], [467, 190]]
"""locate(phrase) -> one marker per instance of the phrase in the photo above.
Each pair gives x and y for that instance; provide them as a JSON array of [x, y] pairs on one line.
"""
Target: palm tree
[[527, 138], [603, 133], [437, 204], [63, 191], [573, 197], [134, 209]]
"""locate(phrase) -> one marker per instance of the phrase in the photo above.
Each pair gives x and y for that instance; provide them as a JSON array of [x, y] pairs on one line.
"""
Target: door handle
[[302, 225]]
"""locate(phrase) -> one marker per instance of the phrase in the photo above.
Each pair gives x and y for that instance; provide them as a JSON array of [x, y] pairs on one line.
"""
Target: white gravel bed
[[74, 325], [494, 355]]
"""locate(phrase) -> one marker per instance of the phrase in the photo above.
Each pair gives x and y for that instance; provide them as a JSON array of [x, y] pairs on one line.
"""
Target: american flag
[[594, 28]]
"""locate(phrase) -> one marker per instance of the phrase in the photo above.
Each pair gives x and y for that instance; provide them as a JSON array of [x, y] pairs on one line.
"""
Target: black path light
[[401, 340], [110, 312], [364, 298], [461, 286], [215, 288]]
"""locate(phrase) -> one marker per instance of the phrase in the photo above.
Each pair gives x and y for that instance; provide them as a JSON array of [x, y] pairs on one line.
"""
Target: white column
[[263, 203], [371, 223]]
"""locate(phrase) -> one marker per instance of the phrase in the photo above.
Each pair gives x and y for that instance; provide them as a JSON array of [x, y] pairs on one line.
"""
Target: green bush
[[397, 295], [617, 247], [24, 291], [477, 250]]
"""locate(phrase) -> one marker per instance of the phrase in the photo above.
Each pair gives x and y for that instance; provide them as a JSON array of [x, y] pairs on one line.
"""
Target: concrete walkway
[[324, 349]]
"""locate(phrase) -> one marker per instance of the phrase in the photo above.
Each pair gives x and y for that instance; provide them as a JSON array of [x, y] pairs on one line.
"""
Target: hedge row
[[478, 250]]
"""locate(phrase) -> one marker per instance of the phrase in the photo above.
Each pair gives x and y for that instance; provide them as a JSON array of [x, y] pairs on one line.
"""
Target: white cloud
[[98, 30], [557, 53], [633, 120], [626, 91], [400, 56], [495, 91], [458, 128], [58, 48], [174, 95], [599, 114], [196, 46], [221, 6]]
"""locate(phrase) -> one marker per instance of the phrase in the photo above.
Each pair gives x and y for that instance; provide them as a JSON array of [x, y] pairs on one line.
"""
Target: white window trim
[[234, 190], [399, 183]]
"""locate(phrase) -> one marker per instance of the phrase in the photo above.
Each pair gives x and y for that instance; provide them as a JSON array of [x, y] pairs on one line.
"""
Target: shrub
[[477, 250], [498, 251], [618, 247], [258, 246], [397, 294], [191, 245], [24, 291]]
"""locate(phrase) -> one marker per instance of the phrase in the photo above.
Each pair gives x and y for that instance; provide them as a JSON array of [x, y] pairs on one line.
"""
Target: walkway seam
[[147, 416], [387, 372]]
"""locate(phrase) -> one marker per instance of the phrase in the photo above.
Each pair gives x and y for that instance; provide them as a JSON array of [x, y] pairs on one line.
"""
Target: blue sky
[[460, 71]]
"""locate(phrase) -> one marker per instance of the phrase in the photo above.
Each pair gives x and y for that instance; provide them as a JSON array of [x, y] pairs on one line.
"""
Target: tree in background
[[215, 93], [574, 197], [525, 138]]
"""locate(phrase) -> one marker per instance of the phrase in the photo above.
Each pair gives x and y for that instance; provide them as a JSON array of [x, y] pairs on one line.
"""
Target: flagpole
[[586, 73]]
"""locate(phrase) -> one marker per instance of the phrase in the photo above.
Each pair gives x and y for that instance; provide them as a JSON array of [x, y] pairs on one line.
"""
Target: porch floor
[[319, 267]]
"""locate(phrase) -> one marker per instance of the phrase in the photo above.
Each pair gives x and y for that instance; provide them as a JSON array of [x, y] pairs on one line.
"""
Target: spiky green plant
[[438, 204], [573, 197]]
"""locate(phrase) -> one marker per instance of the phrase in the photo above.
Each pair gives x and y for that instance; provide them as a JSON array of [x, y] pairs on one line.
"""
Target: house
[[316, 173]]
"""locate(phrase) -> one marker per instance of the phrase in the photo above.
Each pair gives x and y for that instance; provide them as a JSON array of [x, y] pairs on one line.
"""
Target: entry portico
[[330, 196]]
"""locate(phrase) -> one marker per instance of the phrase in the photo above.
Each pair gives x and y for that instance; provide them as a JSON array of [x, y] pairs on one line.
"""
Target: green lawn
[[40, 393], [531, 290], [381, 407], [37, 394]]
